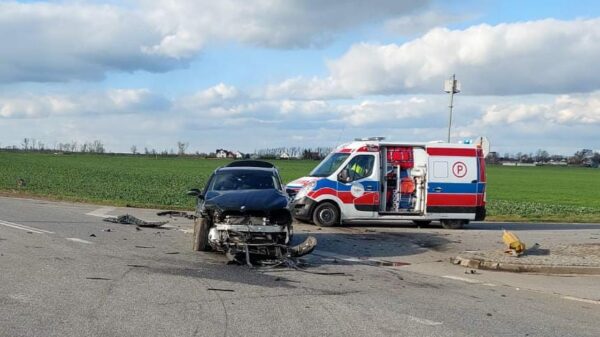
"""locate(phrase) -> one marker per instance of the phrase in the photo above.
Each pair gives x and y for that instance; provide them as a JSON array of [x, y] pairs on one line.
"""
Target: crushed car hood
[[250, 200]]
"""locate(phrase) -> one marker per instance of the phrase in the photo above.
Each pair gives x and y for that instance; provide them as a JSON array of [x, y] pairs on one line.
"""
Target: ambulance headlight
[[304, 190]]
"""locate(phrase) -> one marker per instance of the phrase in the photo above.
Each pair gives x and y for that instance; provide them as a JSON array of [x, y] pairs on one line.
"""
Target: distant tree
[[25, 144], [542, 156], [181, 147], [133, 149]]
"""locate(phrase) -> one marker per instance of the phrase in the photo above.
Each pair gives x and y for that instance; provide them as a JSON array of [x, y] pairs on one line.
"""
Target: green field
[[514, 193]]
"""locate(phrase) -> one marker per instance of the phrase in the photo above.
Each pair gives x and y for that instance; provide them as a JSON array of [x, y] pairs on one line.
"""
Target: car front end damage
[[247, 236]]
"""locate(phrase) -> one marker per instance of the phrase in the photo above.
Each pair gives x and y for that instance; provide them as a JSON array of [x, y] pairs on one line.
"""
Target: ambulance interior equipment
[[403, 180]]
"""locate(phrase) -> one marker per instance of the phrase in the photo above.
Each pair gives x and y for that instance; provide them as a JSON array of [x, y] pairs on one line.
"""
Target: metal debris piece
[[177, 214], [218, 289], [131, 220]]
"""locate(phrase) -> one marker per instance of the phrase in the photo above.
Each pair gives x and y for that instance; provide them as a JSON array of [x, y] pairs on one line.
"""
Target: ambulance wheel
[[453, 224], [201, 227], [422, 223], [326, 215]]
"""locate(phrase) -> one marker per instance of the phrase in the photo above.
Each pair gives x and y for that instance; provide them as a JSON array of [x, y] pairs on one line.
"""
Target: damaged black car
[[243, 211]]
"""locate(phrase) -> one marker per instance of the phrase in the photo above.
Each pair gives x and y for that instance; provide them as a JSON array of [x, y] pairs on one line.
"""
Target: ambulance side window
[[440, 169], [360, 167]]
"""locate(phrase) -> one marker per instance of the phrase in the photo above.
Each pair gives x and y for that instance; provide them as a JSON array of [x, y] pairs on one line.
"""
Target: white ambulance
[[374, 181]]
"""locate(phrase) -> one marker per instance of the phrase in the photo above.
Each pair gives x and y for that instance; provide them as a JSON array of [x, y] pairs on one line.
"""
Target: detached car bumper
[[302, 208]]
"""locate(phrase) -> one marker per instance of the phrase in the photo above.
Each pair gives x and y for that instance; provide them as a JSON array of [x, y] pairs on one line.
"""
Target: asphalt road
[[62, 273]]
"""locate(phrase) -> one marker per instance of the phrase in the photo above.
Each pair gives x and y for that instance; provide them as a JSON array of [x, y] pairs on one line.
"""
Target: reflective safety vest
[[358, 169]]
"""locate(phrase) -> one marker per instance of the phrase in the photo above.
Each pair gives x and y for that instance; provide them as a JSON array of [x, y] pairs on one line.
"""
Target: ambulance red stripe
[[439, 151], [446, 199]]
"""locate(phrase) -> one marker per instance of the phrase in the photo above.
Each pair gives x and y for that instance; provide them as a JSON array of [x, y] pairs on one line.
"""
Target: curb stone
[[475, 263]]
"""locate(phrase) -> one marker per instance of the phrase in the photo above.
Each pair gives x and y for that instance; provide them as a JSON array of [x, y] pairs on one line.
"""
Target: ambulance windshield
[[329, 164]]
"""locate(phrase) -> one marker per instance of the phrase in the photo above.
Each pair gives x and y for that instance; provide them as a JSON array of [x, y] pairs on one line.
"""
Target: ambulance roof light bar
[[365, 139]]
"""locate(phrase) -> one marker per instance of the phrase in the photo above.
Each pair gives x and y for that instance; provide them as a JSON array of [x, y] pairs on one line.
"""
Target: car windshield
[[230, 180], [329, 164]]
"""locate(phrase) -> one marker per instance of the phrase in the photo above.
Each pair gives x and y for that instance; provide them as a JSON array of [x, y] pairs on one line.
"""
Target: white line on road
[[468, 280], [424, 321], [101, 212], [24, 228], [584, 300], [80, 241]]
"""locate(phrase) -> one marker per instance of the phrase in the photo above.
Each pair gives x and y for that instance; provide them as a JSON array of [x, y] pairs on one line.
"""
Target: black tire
[[453, 224], [422, 223], [326, 215], [201, 227]]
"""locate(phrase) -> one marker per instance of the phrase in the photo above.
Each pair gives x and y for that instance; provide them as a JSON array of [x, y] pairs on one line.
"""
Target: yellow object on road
[[513, 243]]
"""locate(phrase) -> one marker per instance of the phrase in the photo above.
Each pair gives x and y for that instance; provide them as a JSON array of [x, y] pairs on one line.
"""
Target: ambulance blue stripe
[[326, 183], [456, 187]]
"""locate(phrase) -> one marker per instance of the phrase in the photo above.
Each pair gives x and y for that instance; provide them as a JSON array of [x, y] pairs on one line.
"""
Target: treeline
[[584, 157], [295, 152], [34, 145]]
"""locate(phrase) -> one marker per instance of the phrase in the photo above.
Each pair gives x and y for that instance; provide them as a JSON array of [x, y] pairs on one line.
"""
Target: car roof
[[250, 163], [262, 169]]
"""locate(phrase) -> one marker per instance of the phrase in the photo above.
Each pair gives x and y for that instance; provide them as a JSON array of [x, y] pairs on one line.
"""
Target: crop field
[[514, 193]]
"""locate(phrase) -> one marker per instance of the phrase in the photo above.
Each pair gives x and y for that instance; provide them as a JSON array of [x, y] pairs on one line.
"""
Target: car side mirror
[[344, 176], [194, 192]]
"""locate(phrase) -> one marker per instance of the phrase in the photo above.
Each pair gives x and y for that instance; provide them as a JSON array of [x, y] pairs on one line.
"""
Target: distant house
[[284, 156], [222, 153]]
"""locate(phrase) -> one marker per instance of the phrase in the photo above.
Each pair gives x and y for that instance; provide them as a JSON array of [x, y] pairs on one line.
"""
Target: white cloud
[[411, 25], [114, 101], [83, 40], [581, 109], [188, 24], [73, 40], [546, 56]]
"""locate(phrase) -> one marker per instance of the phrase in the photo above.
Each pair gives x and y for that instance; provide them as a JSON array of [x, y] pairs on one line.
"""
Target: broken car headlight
[[304, 190]]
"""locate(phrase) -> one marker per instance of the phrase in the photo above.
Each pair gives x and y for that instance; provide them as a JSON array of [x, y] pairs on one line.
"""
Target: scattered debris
[[93, 235], [145, 247], [177, 214], [172, 253], [131, 220], [488, 314], [98, 278], [514, 245], [218, 289], [137, 266], [471, 271], [107, 230]]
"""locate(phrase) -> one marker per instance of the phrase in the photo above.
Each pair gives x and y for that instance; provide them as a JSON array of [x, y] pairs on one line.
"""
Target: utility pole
[[451, 86]]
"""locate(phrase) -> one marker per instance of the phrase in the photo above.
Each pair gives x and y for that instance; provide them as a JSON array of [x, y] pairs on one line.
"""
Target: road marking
[[80, 241], [24, 228], [584, 300], [101, 212], [464, 279], [469, 280], [424, 321]]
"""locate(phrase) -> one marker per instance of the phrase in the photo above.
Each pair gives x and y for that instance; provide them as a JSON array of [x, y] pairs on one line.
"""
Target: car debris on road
[[131, 220]]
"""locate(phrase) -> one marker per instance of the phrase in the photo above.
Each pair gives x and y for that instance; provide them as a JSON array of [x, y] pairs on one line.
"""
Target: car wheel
[[422, 223], [453, 224], [326, 215], [201, 227]]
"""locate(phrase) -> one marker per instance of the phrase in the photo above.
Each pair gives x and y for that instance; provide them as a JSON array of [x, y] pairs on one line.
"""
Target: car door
[[358, 187], [453, 181]]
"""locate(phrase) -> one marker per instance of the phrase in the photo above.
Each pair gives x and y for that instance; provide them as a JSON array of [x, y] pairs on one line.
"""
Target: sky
[[251, 74]]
